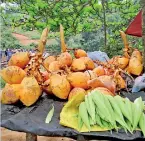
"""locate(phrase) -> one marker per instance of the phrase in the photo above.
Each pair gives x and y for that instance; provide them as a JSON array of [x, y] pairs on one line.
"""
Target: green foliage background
[[84, 21]]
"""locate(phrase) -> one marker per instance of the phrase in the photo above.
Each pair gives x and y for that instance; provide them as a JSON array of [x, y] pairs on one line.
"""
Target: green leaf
[[50, 115]]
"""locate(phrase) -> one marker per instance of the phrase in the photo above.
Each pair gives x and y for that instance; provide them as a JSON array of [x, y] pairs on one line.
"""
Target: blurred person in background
[[9, 54]]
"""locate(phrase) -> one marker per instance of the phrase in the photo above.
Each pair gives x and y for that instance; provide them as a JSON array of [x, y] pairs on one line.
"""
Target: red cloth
[[135, 27]]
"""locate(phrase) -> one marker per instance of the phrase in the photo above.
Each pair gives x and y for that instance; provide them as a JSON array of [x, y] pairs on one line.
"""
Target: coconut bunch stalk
[[77, 52], [33, 68], [127, 49]]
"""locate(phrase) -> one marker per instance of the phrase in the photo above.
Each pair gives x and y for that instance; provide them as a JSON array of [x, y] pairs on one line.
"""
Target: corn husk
[[142, 123], [137, 108]]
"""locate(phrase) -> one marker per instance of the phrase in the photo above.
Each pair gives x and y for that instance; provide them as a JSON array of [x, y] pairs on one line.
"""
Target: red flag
[[135, 27]]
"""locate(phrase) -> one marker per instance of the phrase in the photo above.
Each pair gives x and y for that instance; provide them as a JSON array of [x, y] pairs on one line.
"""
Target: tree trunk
[[104, 22], [143, 29]]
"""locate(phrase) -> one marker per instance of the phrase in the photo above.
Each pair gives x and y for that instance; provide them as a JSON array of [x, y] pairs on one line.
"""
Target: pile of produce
[[100, 111], [111, 112], [64, 75]]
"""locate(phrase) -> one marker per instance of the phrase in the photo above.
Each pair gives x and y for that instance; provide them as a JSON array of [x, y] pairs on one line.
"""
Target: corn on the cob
[[101, 108], [80, 122], [137, 109], [84, 115], [129, 125], [106, 124], [117, 112], [142, 123], [108, 105], [87, 104], [122, 107], [92, 107], [91, 121], [128, 104], [98, 120]]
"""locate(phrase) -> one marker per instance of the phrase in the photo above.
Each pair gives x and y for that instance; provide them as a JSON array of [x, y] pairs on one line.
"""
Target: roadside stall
[[76, 96]]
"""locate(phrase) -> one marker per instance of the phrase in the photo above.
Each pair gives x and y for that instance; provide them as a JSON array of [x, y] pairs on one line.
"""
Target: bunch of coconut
[[64, 76], [23, 77], [131, 61]]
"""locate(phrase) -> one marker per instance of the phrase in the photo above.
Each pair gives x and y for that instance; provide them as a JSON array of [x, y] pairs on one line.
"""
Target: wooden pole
[[143, 29], [31, 137]]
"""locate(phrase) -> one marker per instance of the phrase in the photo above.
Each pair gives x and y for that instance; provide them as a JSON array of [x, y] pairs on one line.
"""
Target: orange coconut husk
[[103, 81], [135, 63], [94, 83], [80, 53], [65, 59], [10, 93], [46, 87], [12, 74], [46, 75], [99, 71], [78, 79], [78, 65], [54, 66], [90, 74], [75, 91], [109, 83], [20, 59], [105, 91], [120, 61], [30, 92], [47, 61], [120, 82], [90, 65], [60, 86]]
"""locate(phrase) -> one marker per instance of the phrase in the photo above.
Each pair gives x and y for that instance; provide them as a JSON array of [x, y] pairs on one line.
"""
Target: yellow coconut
[[88, 62], [78, 79], [90, 74], [99, 71], [60, 86], [10, 93], [48, 60], [12, 74], [135, 63], [20, 59], [78, 65], [75, 91], [54, 66], [80, 53], [30, 92], [65, 59]]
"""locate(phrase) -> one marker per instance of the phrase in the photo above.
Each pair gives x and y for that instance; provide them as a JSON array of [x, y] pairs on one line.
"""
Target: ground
[[8, 135], [25, 40]]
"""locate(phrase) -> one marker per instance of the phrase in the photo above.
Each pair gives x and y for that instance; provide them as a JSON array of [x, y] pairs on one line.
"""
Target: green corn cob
[[117, 112], [87, 104], [101, 108], [98, 120], [129, 107], [122, 107], [142, 123], [137, 110], [80, 122], [108, 105], [91, 121], [84, 115], [92, 107]]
